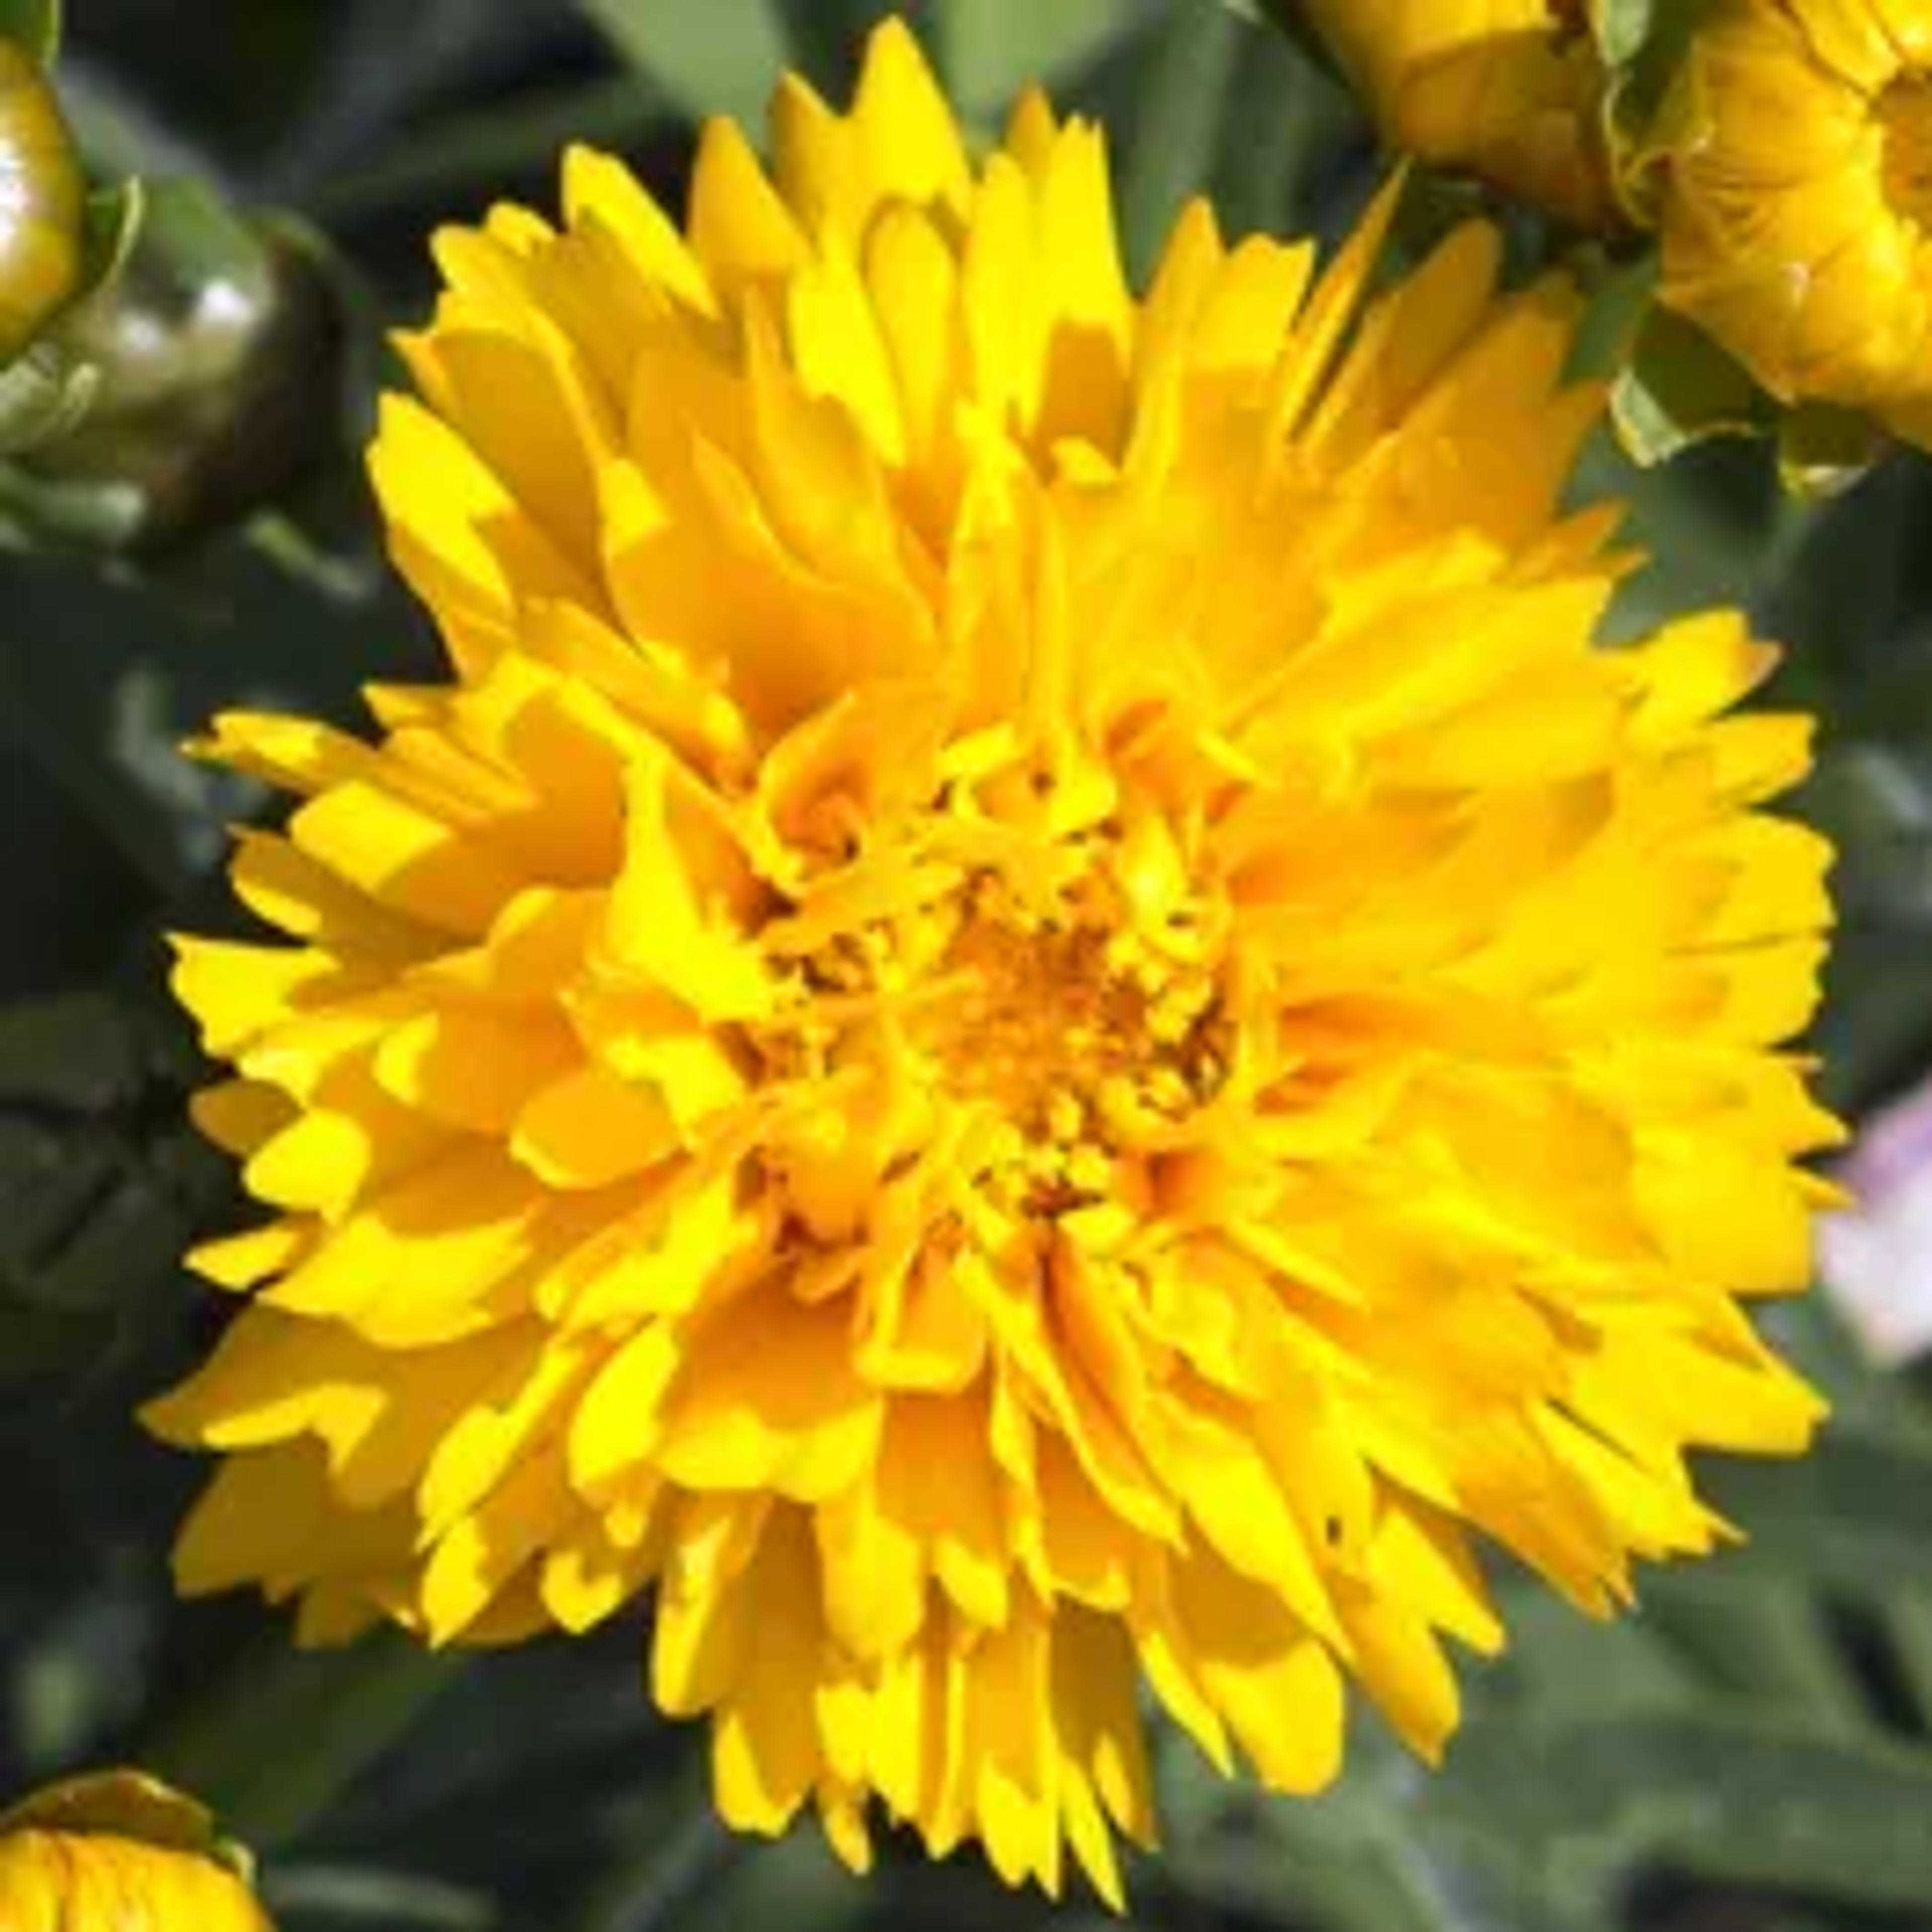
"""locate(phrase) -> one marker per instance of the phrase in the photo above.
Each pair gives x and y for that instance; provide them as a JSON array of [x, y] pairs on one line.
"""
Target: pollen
[[1088, 1041]]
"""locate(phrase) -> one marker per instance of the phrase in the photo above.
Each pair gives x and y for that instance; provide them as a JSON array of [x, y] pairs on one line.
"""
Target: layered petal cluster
[[118, 1852], [1030, 1020], [1796, 218], [1513, 91]]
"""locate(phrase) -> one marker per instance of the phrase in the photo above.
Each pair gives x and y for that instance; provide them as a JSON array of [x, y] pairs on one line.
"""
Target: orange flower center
[[1082, 1038], [1087, 1041], [1905, 117], [1060, 1005]]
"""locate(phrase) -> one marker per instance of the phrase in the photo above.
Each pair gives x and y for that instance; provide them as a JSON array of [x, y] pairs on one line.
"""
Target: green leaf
[[1559, 1659], [1855, 1515], [1907, 1616], [1182, 74], [102, 1181], [1723, 1792], [1290, 18], [351, 1897], [273, 1744], [1619, 295], [722, 58], [34, 26], [1871, 1415], [44, 396], [1328, 1860], [1678, 389], [1282, 123], [76, 763], [1764, 1637], [989, 50], [467, 153], [383, 72]]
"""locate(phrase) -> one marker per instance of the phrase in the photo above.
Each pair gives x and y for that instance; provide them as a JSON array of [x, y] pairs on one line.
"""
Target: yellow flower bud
[[42, 203], [118, 1852], [1796, 213], [1510, 90]]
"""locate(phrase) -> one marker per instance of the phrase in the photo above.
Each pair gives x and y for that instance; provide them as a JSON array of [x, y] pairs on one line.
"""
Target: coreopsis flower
[[1029, 1019], [118, 1852], [1796, 210], [1510, 90]]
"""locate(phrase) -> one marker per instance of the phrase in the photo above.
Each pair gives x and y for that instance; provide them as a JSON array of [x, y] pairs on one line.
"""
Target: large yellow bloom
[[117, 1852], [1511, 90], [1031, 1018], [1797, 210]]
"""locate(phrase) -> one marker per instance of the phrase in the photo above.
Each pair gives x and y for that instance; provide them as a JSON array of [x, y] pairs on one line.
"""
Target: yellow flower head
[[1511, 90], [1030, 1018], [1797, 210], [117, 1852]]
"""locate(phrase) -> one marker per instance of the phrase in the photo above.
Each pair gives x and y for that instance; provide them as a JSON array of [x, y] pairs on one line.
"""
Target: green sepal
[[101, 516], [318, 529], [117, 1804], [1649, 104], [43, 396], [34, 26], [114, 218], [196, 240], [1823, 450], [1620, 28], [1679, 388], [46, 391]]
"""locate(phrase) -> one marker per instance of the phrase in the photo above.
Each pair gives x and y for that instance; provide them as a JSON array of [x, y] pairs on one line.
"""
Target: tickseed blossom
[[119, 1852], [1030, 1020], [1796, 216], [1513, 91]]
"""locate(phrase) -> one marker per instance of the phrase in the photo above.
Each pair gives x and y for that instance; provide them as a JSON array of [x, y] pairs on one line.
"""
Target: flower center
[[1086, 1040], [1905, 119], [1074, 1036]]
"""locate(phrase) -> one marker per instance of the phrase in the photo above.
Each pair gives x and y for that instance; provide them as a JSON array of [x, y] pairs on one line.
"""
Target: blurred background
[[1752, 1752]]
